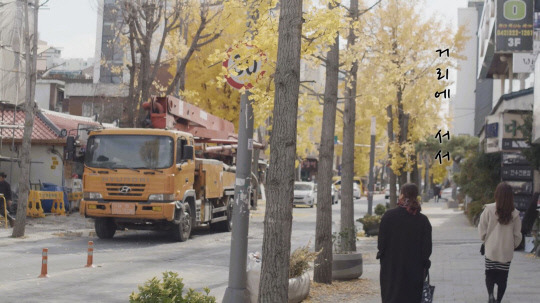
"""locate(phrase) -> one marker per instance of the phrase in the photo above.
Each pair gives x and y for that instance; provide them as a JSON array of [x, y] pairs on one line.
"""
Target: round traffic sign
[[242, 78]]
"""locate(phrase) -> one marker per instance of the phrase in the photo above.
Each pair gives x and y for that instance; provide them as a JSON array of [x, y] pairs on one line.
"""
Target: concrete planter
[[347, 266], [373, 230], [299, 288], [452, 204]]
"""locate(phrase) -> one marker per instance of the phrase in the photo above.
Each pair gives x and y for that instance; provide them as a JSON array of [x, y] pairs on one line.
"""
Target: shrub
[[474, 208], [170, 291], [370, 224], [479, 175], [380, 209], [300, 261]]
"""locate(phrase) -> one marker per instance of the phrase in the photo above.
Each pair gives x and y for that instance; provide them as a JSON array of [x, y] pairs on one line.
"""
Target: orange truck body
[[178, 193]]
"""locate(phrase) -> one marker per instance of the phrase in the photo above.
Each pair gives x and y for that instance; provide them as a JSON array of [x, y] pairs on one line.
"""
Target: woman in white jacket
[[500, 229]]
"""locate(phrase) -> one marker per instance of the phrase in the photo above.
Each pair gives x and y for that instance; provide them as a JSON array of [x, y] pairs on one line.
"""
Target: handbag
[[482, 249], [427, 291]]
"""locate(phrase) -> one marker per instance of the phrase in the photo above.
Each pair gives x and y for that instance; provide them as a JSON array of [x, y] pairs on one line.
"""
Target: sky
[[71, 24]]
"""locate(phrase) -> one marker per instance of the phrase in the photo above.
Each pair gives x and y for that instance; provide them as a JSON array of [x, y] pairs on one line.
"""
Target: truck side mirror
[[187, 153], [70, 147]]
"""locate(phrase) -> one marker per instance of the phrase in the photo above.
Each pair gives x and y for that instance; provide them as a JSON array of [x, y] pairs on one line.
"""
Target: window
[[87, 109], [179, 149], [129, 151]]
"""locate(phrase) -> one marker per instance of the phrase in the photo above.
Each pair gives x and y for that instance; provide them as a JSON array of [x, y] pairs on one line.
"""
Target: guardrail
[[5, 210], [74, 199], [35, 208]]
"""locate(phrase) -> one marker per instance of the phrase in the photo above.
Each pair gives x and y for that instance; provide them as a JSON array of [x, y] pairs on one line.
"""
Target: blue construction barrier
[[47, 204]]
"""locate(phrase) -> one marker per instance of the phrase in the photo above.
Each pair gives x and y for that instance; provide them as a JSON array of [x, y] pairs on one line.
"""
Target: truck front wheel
[[182, 230], [105, 228]]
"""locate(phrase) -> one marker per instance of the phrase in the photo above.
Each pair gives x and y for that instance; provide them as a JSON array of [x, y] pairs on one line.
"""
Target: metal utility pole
[[371, 184], [236, 291]]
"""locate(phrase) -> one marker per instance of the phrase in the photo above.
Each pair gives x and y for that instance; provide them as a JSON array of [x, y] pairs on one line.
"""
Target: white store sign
[[523, 62]]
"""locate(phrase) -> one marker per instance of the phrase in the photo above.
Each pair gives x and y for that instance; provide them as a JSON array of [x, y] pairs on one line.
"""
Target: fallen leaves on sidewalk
[[342, 291]]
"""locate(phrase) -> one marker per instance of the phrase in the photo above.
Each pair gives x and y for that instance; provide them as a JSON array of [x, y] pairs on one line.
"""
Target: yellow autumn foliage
[[402, 46]]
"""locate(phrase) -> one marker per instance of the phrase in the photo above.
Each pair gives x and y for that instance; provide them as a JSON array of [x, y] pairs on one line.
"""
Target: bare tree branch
[[368, 9]]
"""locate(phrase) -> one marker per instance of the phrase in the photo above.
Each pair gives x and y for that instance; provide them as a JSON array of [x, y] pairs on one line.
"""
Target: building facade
[[12, 66], [109, 55]]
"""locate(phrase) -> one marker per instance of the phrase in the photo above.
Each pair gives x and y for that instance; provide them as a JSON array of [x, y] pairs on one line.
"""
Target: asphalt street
[[131, 258]]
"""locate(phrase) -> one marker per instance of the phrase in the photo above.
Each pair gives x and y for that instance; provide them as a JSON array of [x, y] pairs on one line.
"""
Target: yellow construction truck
[[175, 175]]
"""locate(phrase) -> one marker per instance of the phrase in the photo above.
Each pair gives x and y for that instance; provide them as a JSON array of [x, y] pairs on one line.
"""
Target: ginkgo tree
[[404, 44], [257, 41], [199, 24]]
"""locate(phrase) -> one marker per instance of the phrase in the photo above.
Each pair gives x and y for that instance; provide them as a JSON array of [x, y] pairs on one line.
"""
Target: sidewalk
[[457, 269], [48, 227]]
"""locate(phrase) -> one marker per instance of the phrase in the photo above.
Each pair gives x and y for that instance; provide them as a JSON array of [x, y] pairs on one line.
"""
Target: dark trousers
[[499, 277]]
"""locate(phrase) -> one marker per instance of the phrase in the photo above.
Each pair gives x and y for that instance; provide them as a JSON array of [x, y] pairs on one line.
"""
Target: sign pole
[[236, 291]]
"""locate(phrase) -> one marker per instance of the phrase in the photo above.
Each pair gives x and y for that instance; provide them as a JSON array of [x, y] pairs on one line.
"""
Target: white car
[[387, 191], [357, 193], [305, 193], [335, 194]]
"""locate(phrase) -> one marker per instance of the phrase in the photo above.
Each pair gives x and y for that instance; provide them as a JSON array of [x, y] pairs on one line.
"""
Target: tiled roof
[[41, 131], [47, 125]]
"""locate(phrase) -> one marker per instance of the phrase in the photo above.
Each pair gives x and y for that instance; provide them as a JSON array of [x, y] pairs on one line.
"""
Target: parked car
[[305, 193], [357, 190], [387, 191]]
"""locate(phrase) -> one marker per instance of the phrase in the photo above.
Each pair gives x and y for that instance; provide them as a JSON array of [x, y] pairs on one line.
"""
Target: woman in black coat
[[404, 249]]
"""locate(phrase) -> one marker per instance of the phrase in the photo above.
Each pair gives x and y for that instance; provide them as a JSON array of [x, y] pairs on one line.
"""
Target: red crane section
[[172, 113]]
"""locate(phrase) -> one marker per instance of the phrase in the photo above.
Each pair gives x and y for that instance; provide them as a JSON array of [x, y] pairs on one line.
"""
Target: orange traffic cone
[[90, 258], [44, 263]]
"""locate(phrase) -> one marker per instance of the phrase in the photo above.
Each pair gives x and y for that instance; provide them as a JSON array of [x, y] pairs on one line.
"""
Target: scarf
[[412, 207]]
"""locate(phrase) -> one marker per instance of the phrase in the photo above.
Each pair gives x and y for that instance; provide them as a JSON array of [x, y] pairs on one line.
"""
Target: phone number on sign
[[514, 32]]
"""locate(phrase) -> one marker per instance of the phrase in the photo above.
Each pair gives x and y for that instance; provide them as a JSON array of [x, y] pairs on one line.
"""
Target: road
[[131, 258]]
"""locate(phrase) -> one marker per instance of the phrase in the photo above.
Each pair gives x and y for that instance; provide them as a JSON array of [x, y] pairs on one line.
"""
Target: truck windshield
[[129, 151]]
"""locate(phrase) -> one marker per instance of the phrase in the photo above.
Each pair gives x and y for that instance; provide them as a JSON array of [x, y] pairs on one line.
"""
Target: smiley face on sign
[[242, 77]]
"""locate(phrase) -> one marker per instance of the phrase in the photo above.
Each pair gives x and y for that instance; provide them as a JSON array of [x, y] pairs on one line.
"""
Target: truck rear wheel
[[105, 228], [182, 230]]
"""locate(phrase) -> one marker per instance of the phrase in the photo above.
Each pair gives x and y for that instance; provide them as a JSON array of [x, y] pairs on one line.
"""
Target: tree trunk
[[392, 178], [383, 169], [403, 122], [144, 84], [323, 230], [276, 248], [143, 20], [426, 173], [30, 46], [376, 175], [298, 174], [255, 184], [179, 81], [348, 233], [415, 178], [132, 95]]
